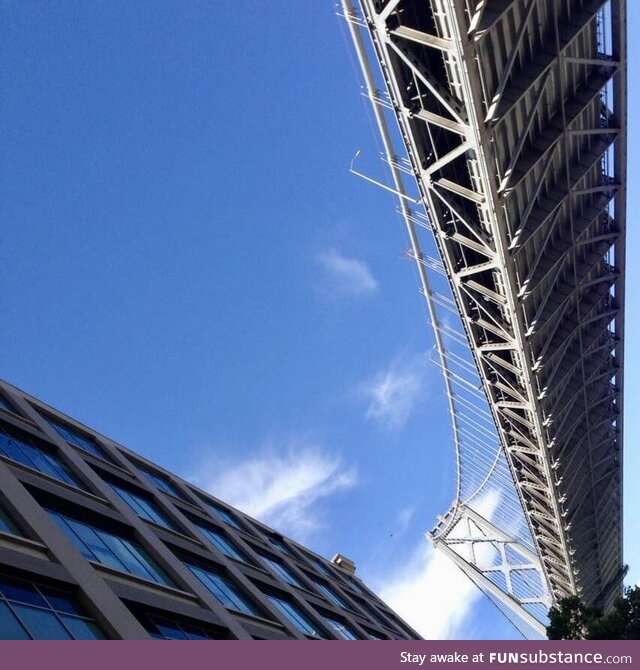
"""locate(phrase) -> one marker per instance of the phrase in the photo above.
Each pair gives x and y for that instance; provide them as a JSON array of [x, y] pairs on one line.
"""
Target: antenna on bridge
[[404, 196]]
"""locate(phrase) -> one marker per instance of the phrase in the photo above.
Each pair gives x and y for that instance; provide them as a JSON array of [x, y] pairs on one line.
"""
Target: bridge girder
[[513, 115]]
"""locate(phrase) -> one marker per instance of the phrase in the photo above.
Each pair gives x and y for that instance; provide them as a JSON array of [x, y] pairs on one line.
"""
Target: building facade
[[97, 542]]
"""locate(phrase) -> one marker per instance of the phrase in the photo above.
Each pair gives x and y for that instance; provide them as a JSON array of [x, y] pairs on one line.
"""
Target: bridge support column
[[503, 568]]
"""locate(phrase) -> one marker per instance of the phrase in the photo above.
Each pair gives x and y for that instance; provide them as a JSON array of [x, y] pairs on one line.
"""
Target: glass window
[[38, 612], [374, 614], [7, 525], [342, 630], [23, 450], [143, 507], [322, 567], [355, 584], [77, 439], [373, 636], [161, 628], [10, 626], [82, 629], [111, 550], [224, 591], [161, 483], [223, 514], [222, 543], [19, 591], [4, 404], [60, 600], [279, 544], [43, 624], [298, 618], [282, 571], [329, 593]]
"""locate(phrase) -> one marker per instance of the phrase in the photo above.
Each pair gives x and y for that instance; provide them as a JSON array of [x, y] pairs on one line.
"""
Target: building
[[96, 541]]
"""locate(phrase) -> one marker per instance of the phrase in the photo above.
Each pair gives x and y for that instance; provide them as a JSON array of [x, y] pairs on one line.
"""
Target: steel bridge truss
[[512, 115], [500, 565]]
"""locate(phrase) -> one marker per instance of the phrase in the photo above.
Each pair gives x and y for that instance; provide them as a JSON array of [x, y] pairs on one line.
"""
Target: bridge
[[503, 125]]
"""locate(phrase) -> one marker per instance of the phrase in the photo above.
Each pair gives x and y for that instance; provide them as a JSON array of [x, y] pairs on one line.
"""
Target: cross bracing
[[512, 117]]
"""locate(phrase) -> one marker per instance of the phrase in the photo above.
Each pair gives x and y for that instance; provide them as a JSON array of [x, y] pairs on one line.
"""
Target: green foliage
[[571, 619]]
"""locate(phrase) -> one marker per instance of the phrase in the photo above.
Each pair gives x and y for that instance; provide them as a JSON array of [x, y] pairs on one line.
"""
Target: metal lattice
[[512, 117]]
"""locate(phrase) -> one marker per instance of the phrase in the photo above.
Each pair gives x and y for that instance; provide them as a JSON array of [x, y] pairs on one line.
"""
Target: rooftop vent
[[344, 563]]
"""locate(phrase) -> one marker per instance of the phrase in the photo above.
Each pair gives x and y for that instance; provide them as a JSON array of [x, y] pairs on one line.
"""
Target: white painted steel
[[511, 113]]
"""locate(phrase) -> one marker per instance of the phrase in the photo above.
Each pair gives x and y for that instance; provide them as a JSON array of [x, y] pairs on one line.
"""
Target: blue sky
[[189, 267]]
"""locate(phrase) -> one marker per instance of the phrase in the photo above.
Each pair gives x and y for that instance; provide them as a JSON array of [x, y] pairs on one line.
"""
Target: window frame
[[75, 438], [340, 627], [283, 571], [140, 501], [24, 444], [43, 600], [111, 550], [7, 525], [151, 620], [7, 406], [161, 483], [220, 541], [292, 613], [228, 588], [225, 515], [329, 593]]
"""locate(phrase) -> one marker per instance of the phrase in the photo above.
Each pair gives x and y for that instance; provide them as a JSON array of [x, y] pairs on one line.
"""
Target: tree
[[571, 619]]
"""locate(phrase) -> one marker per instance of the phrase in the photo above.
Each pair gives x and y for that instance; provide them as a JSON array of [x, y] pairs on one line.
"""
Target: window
[[279, 544], [111, 550], [37, 612], [342, 630], [222, 543], [373, 614], [225, 592], [223, 514], [4, 404], [161, 628], [356, 586], [77, 439], [142, 507], [282, 571], [322, 567], [21, 449], [374, 636], [329, 593], [163, 484], [7, 525], [298, 618]]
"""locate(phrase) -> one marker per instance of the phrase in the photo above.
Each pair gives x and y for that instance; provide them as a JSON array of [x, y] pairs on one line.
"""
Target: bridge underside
[[512, 113]]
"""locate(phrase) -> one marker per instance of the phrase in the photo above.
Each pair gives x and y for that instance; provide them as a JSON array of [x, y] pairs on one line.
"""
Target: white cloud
[[404, 519], [283, 490], [346, 276], [394, 393], [431, 594]]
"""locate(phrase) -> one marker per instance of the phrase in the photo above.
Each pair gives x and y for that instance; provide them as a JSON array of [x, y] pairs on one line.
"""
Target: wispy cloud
[[283, 488], [403, 520], [431, 594], [394, 393], [345, 276]]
